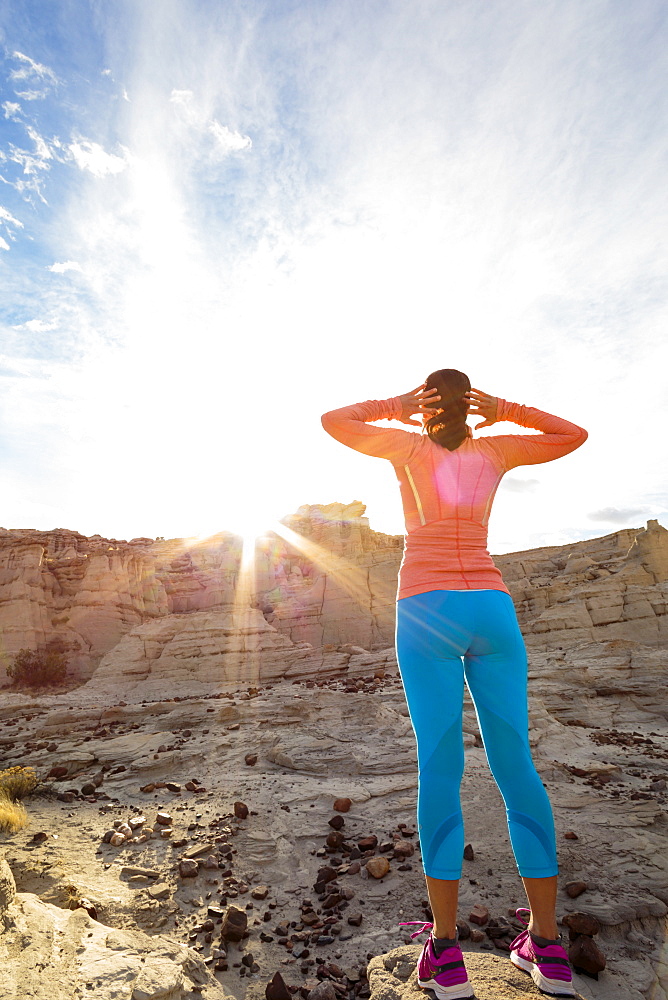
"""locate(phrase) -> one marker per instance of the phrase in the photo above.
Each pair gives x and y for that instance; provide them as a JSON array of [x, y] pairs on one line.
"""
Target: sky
[[219, 220]]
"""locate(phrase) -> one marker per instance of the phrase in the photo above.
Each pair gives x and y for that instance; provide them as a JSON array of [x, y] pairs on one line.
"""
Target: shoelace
[[411, 923]]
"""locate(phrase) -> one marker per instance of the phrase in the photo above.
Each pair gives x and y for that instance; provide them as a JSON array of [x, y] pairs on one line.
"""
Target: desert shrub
[[13, 816], [18, 782], [36, 668]]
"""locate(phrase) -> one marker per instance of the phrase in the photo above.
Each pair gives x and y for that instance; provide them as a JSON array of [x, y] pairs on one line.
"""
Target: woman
[[455, 622]]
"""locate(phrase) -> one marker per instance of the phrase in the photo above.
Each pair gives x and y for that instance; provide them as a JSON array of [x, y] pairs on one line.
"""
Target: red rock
[[468, 853], [276, 988], [66, 796], [479, 914], [336, 822], [240, 810], [581, 923], [585, 954], [342, 805], [477, 935], [355, 919], [335, 839], [464, 930], [260, 892], [187, 868], [251, 759], [571, 836], [40, 837], [59, 771], [173, 786], [147, 788], [575, 889], [234, 924], [164, 819], [368, 843]]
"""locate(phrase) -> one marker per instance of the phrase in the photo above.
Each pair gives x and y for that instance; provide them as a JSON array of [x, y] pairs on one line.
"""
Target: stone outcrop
[[318, 593]]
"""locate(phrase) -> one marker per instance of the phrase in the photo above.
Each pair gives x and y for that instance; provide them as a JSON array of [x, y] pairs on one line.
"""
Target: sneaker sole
[[554, 987], [460, 992]]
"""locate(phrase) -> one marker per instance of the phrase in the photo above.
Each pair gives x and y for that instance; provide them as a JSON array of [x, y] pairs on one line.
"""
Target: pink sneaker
[[445, 974], [549, 966]]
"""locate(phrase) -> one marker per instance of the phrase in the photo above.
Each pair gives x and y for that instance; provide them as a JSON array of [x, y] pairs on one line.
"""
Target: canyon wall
[[318, 590]]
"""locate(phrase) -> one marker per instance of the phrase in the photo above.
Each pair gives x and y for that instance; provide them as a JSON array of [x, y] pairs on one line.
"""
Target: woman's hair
[[448, 428]]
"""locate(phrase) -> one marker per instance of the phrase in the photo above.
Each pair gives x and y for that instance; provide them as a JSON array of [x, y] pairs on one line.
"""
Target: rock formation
[[242, 704]]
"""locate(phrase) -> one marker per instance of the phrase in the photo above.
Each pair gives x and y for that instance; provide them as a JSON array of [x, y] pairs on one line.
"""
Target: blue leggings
[[435, 632]]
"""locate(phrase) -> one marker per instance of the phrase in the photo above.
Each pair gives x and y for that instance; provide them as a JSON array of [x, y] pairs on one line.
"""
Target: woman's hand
[[418, 400], [482, 405]]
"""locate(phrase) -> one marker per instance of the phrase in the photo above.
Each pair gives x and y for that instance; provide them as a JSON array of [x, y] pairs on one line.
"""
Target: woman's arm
[[351, 425], [558, 437]]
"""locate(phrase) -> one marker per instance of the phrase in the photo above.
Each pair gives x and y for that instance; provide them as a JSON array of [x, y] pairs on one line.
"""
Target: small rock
[[187, 868], [89, 788], [354, 868], [571, 836], [66, 796], [581, 923], [355, 919], [173, 786], [342, 805], [240, 810], [585, 954], [368, 843], [260, 892], [575, 889], [211, 862], [40, 837], [161, 890], [276, 988], [464, 930], [165, 832], [404, 849], [59, 771], [468, 853], [163, 819], [479, 914], [377, 867], [335, 839], [136, 821], [147, 788], [234, 924], [323, 991], [117, 839], [336, 822], [251, 759], [477, 936]]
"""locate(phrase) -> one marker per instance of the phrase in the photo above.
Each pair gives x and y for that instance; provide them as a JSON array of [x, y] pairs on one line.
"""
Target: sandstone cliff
[[326, 580]]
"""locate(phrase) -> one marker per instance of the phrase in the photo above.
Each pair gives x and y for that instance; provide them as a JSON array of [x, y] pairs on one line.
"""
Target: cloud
[[618, 515], [36, 326], [519, 485], [92, 157], [12, 111], [7, 217], [39, 78], [4, 245], [66, 265], [226, 140]]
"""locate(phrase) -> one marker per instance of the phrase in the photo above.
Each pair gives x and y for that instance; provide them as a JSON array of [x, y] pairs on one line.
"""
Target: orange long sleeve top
[[447, 495]]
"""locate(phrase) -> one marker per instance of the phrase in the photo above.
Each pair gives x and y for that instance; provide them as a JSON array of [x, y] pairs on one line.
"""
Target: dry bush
[[18, 782], [35, 668], [13, 816]]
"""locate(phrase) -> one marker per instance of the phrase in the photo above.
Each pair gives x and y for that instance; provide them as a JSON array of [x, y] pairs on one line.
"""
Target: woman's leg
[[431, 636], [496, 674]]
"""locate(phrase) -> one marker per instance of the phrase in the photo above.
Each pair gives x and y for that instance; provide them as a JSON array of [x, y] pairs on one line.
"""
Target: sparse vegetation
[[18, 782], [13, 816], [15, 784], [38, 668]]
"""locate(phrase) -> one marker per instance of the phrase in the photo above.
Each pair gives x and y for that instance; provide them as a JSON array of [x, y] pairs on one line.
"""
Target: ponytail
[[448, 428]]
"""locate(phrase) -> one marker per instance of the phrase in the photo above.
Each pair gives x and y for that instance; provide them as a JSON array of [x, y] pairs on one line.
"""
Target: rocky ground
[[251, 870]]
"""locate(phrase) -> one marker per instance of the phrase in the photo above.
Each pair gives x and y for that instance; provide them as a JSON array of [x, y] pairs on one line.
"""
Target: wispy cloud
[[92, 157], [37, 78], [618, 515], [61, 267]]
